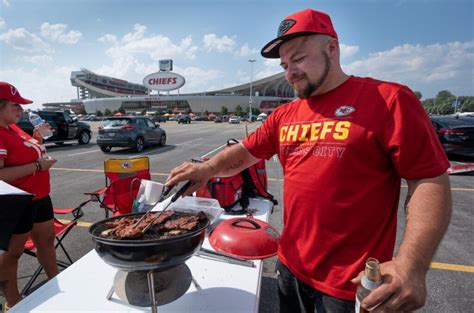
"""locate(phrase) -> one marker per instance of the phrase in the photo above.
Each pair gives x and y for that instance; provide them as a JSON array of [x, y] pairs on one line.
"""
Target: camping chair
[[61, 230], [122, 182]]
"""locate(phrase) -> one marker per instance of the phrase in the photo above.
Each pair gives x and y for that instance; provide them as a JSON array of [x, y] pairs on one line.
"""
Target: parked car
[[456, 134], [234, 120], [129, 131], [64, 127], [201, 118], [218, 120], [159, 119], [184, 119]]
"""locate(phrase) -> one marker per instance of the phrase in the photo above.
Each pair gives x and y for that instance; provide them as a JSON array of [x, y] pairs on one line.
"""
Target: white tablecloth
[[83, 286]]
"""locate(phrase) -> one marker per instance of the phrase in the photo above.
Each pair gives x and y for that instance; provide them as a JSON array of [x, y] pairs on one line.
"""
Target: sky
[[425, 44]]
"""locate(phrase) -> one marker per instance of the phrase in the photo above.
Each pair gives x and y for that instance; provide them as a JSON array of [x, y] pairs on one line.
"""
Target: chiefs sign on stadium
[[163, 81]]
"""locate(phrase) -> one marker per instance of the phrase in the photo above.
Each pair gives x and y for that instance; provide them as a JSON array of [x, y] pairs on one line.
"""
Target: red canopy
[[118, 114]]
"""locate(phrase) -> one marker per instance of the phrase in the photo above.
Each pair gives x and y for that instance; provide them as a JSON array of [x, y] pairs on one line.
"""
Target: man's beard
[[310, 88]]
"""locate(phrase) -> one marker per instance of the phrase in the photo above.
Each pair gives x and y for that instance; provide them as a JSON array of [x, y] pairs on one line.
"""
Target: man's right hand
[[197, 173]]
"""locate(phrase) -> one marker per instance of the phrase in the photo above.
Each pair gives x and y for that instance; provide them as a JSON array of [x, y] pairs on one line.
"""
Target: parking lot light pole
[[251, 81]]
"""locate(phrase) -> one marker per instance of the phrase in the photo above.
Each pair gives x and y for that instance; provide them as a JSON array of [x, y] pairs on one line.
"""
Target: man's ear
[[333, 45]]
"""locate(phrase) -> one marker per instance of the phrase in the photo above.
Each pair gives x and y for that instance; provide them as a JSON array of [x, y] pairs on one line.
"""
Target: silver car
[[234, 120], [129, 131]]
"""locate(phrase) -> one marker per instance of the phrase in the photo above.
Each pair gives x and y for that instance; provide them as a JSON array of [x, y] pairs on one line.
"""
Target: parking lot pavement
[[80, 169]]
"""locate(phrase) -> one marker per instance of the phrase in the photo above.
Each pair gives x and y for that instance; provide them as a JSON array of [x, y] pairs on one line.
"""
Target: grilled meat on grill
[[168, 224], [185, 222]]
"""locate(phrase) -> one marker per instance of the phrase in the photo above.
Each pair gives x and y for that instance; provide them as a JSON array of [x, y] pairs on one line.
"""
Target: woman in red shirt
[[23, 164]]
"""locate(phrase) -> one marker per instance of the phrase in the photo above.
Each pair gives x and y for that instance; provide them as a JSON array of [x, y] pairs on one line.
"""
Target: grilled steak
[[168, 224]]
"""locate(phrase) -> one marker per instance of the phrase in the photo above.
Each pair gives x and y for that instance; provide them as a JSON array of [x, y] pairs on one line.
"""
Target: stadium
[[98, 92]]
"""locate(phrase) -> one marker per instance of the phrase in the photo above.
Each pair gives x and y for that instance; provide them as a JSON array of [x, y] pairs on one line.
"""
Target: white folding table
[[84, 285]]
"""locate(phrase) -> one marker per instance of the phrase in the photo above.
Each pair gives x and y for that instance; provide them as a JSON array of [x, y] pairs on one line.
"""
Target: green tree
[[122, 110], [418, 95], [224, 110], [255, 111], [187, 111], [239, 111], [169, 111], [99, 113], [467, 104], [429, 105], [107, 112]]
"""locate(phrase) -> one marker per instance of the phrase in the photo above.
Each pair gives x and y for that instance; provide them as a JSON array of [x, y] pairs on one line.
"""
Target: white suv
[[234, 120]]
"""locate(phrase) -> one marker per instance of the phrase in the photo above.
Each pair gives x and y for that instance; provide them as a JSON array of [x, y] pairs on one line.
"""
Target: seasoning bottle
[[371, 280]]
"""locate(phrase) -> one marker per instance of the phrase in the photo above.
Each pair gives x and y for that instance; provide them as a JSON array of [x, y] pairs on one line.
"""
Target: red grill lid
[[246, 238]]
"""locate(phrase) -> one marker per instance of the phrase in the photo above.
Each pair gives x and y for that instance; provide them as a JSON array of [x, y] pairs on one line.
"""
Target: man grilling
[[344, 146]]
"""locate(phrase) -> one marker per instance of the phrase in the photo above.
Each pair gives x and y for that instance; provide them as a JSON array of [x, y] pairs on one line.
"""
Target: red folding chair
[[61, 230], [122, 182]]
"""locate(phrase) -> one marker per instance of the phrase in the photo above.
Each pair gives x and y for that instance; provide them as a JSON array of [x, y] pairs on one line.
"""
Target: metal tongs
[[175, 197], [215, 255]]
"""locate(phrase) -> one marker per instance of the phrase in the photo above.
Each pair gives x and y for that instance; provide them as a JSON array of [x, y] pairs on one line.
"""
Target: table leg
[[111, 292], [151, 288]]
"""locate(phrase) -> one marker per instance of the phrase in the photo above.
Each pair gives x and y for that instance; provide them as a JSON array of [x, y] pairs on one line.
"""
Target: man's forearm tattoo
[[233, 166], [407, 201]]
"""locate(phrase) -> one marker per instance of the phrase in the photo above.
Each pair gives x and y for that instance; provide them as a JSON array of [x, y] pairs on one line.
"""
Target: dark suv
[[184, 119], [64, 127], [129, 131]]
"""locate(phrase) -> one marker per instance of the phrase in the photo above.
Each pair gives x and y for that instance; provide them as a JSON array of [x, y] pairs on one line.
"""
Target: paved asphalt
[[80, 169]]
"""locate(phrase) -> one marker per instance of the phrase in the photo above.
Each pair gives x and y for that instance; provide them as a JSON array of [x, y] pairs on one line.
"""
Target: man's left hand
[[403, 289]]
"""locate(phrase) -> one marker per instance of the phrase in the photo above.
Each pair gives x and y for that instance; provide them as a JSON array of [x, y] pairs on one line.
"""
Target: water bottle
[[40, 125]]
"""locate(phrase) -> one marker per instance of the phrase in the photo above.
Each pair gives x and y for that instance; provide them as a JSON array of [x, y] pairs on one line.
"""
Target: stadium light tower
[[251, 81]]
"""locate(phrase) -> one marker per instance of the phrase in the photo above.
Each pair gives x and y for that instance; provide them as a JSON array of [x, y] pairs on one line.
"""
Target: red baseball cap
[[10, 93], [303, 23]]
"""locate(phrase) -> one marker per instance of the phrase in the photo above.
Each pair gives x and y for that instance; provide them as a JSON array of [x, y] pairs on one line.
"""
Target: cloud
[[214, 43], [347, 51], [57, 33], [41, 86], [6, 3], [155, 46], [246, 51], [270, 67], [40, 60], [417, 62], [128, 55], [2, 23], [108, 38], [420, 67], [21, 39], [198, 79]]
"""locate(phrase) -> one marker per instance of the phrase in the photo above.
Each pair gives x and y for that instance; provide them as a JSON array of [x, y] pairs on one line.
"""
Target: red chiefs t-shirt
[[343, 155], [17, 150]]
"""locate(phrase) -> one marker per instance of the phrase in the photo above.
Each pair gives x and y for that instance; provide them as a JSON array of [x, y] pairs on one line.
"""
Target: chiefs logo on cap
[[13, 90], [285, 26]]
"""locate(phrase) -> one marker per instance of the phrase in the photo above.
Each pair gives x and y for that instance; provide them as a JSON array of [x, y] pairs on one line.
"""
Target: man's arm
[[228, 162], [428, 216]]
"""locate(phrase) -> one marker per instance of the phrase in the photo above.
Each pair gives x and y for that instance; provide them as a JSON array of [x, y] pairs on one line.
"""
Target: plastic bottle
[[372, 279], [39, 124]]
